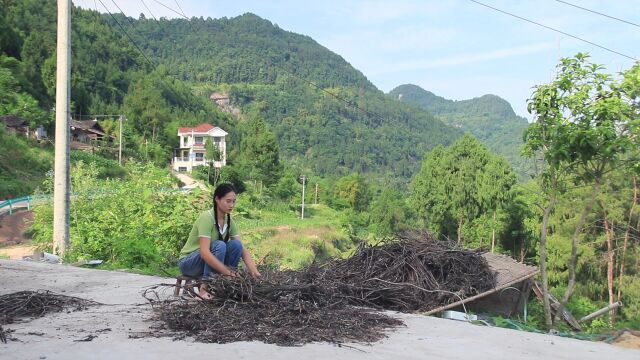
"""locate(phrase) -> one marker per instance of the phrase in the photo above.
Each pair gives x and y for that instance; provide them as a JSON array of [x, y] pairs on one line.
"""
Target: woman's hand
[[255, 274], [232, 274]]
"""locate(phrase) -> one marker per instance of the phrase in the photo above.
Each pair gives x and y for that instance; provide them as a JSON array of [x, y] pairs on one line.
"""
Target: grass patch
[[23, 165], [282, 240]]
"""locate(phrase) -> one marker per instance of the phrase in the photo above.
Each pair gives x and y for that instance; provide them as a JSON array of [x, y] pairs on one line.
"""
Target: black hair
[[220, 192]]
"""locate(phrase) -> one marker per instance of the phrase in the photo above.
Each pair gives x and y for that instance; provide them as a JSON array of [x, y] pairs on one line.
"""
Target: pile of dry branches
[[414, 272], [331, 302], [36, 304]]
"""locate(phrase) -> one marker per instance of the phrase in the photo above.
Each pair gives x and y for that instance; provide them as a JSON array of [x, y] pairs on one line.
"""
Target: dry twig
[[331, 302]]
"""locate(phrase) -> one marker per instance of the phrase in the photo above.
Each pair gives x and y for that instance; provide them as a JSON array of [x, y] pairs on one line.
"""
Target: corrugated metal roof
[[508, 272]]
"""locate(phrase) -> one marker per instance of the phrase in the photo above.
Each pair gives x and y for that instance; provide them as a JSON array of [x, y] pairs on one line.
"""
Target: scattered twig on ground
[[37, 303]]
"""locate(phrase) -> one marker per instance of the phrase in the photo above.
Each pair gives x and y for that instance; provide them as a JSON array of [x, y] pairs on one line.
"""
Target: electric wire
[[149, 10], [127, 34], [554, 29], [175, 11], [350, 103], [599, 13], [123, 14], [182, 11]]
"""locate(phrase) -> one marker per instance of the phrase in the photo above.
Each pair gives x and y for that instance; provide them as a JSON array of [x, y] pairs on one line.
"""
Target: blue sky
[[454, 48]]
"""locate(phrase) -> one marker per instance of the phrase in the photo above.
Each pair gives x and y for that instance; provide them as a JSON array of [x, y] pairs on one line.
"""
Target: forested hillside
[[324, 113], [108, 76], [489, 118], [326, 116]]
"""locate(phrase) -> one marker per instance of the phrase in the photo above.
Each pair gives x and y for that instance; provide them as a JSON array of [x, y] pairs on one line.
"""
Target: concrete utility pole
[[304, 180], [62, 179]]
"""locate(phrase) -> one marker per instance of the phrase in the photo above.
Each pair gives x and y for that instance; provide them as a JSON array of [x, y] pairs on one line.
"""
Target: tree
[[354, 190], [459, 184], [213, 154], [13, 100], [389, 213], [429, 197], [583, 128], [259, 151]]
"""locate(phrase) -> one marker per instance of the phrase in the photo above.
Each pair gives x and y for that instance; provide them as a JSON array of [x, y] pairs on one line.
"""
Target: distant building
[[17, 125], [89, 132], [192, 151]]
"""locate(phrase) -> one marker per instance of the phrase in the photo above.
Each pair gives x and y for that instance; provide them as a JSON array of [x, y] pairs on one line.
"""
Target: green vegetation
[[585, 134], [280, 238], [23, 165], [460, 190], [380, 165], [288, 80], [489, 118], [139, 222]]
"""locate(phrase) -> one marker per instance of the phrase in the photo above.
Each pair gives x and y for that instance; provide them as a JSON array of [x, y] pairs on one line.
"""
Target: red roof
[[202, 128]]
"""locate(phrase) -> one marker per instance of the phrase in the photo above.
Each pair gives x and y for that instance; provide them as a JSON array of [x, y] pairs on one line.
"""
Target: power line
[[126, 33], [349, 103], [556, 30], [145, 5], [175, 11], [123, 14], [182, 11], [599, 13]]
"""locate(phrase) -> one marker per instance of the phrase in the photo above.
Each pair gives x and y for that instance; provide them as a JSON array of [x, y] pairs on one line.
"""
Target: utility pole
[[304, 179], [62, 180], [120, 143]]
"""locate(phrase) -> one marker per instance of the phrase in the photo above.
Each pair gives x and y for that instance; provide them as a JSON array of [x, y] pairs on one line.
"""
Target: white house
[[192, 151]]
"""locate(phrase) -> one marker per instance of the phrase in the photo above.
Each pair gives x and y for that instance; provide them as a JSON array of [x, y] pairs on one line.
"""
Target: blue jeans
[[228, 253]]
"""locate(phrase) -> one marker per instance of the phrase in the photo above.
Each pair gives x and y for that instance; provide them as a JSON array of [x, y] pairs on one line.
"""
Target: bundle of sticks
[[335, 301]]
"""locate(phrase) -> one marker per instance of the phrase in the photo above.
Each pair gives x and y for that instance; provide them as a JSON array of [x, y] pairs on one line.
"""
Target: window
[[199, 140], [199, 156], [182, 169]]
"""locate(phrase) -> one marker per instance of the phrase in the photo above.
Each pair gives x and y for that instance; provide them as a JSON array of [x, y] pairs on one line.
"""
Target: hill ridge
[[489, 117]]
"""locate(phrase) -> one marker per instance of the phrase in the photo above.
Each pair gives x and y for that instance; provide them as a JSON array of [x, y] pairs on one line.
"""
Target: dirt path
[[629, 339], [13, 243], [12, 227]]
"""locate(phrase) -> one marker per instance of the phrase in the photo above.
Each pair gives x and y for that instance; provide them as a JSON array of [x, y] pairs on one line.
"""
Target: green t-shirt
[[206, 227]]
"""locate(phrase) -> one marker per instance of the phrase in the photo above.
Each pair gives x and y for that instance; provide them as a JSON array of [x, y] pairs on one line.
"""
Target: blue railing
[[15, 203], [22, 202], [28, 201]]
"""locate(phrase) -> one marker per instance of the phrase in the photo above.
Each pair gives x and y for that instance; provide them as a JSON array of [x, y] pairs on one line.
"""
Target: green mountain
[[489, 118], [324, 113], [326, 116]]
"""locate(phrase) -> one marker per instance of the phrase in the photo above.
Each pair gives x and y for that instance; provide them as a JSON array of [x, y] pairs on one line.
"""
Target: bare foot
[[204, 294]]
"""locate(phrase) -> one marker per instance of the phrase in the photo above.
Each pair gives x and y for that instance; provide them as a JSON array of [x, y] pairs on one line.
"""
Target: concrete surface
[[189, 182], [127, 314]]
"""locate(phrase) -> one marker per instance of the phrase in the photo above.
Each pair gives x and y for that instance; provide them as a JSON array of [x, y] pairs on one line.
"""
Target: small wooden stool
[[187, 280]]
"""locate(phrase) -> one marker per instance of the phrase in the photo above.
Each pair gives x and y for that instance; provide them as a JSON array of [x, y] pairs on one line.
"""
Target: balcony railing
[[187, 160]]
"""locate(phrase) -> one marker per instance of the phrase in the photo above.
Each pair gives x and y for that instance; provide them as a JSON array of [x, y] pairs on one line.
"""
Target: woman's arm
[[209, 258], [251, 265]]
